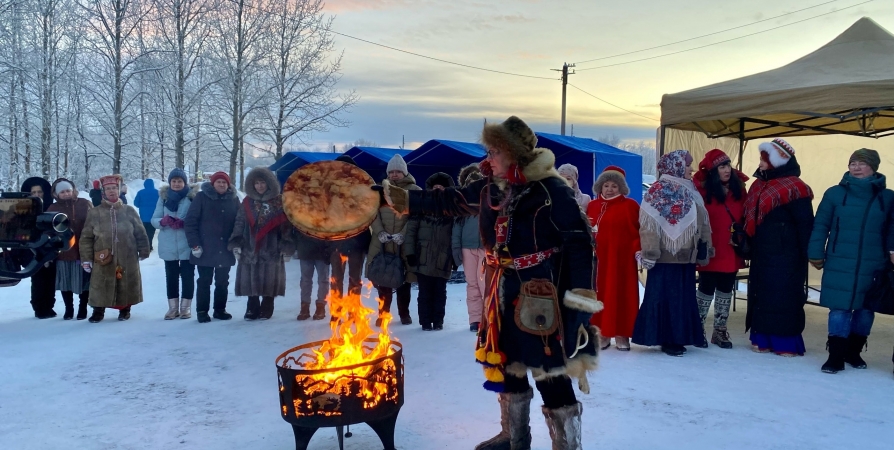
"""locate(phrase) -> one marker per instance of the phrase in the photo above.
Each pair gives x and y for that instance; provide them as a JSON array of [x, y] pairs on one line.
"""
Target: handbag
[[738, 238], [537, 309], [880, 295], [103, 257], [387, 270]]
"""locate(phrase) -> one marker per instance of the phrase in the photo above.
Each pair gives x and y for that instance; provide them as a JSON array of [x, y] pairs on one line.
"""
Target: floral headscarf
[[670, 204]]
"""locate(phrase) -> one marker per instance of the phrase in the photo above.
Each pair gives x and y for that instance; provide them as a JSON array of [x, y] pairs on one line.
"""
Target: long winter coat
[[778, 276], [725, 259], [209, 224], [429, 239], [172, 244], [43, 283], [849, 233], [128, 241], [545, 216], [76, 209], [391, 223], [146, 200], [261, 271]]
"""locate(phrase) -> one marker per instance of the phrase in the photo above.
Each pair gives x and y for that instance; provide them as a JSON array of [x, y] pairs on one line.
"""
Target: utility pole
[[565, 74]]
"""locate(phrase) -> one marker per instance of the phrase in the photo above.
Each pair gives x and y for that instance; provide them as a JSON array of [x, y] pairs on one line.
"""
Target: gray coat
[[209, 224], [465, 235], [172, 244]]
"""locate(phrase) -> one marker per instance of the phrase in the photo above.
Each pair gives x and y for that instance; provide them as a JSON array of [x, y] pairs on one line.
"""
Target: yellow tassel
[[481, 354], [493, 374], [494, 358]]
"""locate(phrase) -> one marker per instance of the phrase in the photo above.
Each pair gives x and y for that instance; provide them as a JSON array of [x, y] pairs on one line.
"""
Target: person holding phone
[[43, 283]]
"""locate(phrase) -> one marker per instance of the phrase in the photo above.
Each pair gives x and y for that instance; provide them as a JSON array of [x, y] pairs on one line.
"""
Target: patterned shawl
[[670, 206], [771, 189], [264, 217]]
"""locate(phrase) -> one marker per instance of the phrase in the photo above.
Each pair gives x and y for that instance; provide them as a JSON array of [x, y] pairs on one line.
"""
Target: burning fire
[[341, 358]]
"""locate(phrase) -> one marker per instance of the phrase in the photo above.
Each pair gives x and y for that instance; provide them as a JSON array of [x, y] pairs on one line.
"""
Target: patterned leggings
[[716, 286]]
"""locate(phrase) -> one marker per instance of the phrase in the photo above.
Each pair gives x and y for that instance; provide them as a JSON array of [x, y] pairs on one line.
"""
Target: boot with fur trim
[[564, 426], [515, 419]]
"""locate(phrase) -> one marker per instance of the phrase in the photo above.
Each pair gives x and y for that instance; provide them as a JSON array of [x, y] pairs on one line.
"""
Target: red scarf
[[766, 195]]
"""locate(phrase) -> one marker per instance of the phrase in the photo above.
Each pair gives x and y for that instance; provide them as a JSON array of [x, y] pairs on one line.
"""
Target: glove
[[197, 251], [458, 257], [237, 252], [412, 260], [817, 263], [648, 264], [176, 223], [166, 221], [638, 256], [88, 266], [384, 237], [286, 258]]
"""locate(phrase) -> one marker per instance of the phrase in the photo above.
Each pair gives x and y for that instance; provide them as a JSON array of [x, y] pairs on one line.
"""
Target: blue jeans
[[843, 322]]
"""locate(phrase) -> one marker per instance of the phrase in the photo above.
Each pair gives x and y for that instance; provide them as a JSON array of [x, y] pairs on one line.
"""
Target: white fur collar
[[541, 168]]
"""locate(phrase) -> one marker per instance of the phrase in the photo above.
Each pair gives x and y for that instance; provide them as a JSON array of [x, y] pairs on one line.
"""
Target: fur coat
[[106, 224], [262, 239]]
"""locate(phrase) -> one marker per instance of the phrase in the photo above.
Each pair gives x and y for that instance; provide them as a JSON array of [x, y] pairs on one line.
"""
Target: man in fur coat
[[539, 251]]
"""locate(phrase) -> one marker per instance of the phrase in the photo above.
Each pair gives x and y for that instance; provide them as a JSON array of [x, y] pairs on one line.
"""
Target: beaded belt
[[521, 262]]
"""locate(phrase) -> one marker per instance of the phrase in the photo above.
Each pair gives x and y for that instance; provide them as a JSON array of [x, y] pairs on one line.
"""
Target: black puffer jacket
[[209, 224], [428, 245]]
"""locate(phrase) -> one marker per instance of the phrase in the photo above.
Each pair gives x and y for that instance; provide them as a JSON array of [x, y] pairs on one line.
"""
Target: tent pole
[[741, 143], [661, 140]]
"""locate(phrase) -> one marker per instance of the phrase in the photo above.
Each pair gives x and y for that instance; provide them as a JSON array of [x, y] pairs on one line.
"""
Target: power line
[[612, 104], [706, 35], [727, 40]]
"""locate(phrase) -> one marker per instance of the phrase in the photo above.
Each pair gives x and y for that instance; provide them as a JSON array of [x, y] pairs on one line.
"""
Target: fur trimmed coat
[[172, 243], [262, 239], [391, 223], [544, 215], [118, 227]]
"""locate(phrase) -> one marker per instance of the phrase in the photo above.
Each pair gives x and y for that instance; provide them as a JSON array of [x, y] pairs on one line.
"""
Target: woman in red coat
[[615, 222], [723, 189]]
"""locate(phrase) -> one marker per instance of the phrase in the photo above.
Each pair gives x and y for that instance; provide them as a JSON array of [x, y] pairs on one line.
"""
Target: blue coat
[[146, 201], [172, 244], [849, 233]]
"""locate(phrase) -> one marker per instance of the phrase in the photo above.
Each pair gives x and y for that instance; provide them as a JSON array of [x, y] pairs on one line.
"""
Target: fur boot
[[564, 426], [173, 309], [515, 420], [98, 314], [185, 308], [124, 313]]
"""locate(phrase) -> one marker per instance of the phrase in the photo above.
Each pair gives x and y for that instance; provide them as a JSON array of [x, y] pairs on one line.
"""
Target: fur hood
[[74, 188], [263, 174], [469, 174], [163, 192], [44, 185], [208, 189], [439, 178]]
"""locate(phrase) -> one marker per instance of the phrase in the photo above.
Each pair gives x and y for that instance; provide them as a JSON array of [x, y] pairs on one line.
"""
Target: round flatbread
[[330, 200]]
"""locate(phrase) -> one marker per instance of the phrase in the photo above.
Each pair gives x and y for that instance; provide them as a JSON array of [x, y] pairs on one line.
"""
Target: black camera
[[29, 237]]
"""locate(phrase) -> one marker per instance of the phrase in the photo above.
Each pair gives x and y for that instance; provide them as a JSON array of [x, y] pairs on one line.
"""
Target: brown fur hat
[[514, 136], [264, 174], [615, 174], [469, 174]]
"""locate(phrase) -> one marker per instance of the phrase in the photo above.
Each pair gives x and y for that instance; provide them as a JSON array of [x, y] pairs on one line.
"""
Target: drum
[[330, 200]]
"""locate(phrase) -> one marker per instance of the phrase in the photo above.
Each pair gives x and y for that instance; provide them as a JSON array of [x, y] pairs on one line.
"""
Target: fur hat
[[714, 158], [439, 178], [177, 173], [346, 159], [469, 174], [614, 174], [221, 176], [868, 156], [778, 152], [397, 163], [514, 136]]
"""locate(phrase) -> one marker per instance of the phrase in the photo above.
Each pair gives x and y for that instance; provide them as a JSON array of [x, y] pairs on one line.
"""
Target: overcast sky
[[422, 99]]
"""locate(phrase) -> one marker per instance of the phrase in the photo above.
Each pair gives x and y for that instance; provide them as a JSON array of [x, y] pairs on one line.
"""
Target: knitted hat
[[177, 173], [778, 152], [220, 176], [397, 163], [95, 184], [514, 136], [614, 174], [110, 180], [868, 156], [62, 186], [713, 159], [568, 170]]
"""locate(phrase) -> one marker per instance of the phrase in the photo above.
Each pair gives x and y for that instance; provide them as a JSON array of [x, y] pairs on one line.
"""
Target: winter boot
[[304, 314], [222, 314], [68, 299], [320, 312], [185, 308], [266, 308], [704, 303], [720, 338], [173, 309], [837, 347], [564, 426], [82, 305], [673, 349], [203, 317], [97, 316], [855, 344], [515, 419], [253, 308], [124, 314]]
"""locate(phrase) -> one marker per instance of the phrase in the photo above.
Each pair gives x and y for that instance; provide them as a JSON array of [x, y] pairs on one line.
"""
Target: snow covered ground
[[154, 384]]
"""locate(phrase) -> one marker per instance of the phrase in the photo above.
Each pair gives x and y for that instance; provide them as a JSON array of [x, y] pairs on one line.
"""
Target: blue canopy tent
[[374, 160], [438, 155], [291, 161], [591, 157]]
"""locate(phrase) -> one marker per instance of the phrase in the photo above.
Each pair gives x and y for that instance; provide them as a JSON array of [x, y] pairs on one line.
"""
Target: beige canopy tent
[[845, 87]]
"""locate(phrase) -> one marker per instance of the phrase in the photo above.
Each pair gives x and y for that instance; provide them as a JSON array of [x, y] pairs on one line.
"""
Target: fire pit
[[371, 392]]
